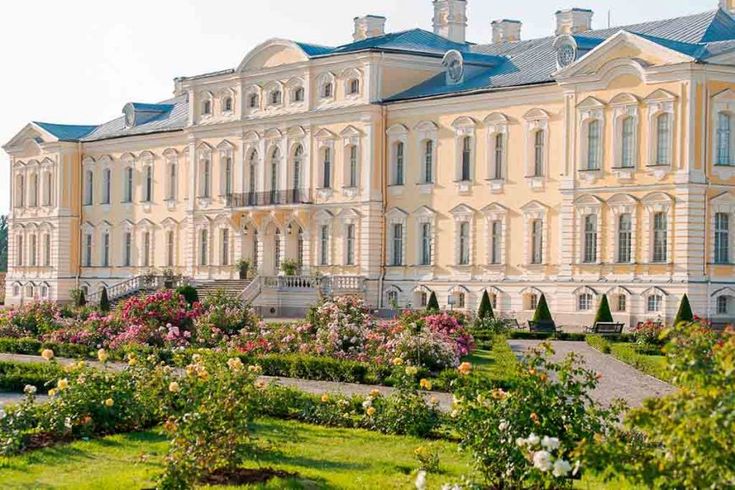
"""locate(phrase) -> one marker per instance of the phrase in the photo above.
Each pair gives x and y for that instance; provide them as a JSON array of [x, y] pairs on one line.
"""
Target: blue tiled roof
[[66, 132]]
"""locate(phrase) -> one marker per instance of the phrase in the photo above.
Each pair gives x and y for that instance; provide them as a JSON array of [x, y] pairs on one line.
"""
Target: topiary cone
[[433, 304], [604, 315], [486, 307], [542, 313], [685, 312]]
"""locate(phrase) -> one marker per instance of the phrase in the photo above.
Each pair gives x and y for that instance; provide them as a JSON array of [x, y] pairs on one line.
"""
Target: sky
[[80, 61]]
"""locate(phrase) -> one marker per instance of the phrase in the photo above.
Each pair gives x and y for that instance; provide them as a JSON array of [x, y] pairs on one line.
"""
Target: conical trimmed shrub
[[486, 307], [81, 299], [542, 313], [433, 304], [604, 315], [104, 301], [685, 312]]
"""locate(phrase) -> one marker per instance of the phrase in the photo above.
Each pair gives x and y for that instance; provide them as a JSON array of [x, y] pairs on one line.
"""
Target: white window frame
[[536, 120], [533, 211], [425, 216], [659, 103], [393, 217], [464, 214], [427, 131], [397, 134], [625, 106], [591, 111], [465, 127]]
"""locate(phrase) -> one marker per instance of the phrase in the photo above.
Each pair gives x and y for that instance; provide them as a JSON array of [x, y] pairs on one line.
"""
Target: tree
[[3, 243], [685, 312], [104, 301], [486, 307], [433, 304], [80, 299], [603, 312], [542, 313]]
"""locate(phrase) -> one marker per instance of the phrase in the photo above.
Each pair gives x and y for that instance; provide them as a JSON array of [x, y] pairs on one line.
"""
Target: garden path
[[619, 380], [307, 386]]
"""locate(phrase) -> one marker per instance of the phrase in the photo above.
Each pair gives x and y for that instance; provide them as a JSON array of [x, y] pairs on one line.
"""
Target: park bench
[[513, 324], [720, 326], [544, 326], [606, 328]]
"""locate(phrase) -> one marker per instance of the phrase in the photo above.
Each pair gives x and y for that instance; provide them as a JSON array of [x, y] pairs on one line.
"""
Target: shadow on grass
[[275, 456]]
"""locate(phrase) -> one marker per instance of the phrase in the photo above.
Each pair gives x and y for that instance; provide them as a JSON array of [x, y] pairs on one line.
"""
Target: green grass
[[498, 363], [653, 365]]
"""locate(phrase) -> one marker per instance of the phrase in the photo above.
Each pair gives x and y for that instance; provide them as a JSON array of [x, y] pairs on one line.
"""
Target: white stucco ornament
[[566, 51], [454, 64]]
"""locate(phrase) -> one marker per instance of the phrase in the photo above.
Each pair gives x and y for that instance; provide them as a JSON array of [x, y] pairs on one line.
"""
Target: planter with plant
[[243, 266]]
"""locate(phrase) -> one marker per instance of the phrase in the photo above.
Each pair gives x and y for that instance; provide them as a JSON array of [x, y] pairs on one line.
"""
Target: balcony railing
[[269, 198]]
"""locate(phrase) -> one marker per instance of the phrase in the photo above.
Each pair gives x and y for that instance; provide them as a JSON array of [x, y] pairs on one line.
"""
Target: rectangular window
[[537, 242], [593, 145], [128, 196], [496, 240], [89, 191], [228, 176], [625, 234], [590, 239], [353, 166], [88, 250], [400, 155], [324, 245], [106, 250], [146, 249], [724, 139], [106, 185], [33, 252], [622, 303], [203, 248], [47, 250], [425, 243], [397, 247], [128, 249], [466, 159], [327, 169], [660, 238], [464, 243], [628, 144], [538, 156], [225, 258], [654, 303], [350, 245], [170, 249], [19, 251], [148, 193], [206, 179], [722, 305], [722, 238], [172, 178], [663, 139], [585, 302], [429, 162]]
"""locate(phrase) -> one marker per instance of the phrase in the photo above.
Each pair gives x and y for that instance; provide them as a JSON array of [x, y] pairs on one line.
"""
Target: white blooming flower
[[533, 440], [2, 414], [576, 468], [421, 480], [30, 390], [561, 468], [542, 461], [550, 443], [67, 423], [503, 426], [367, 403], [521, 442]]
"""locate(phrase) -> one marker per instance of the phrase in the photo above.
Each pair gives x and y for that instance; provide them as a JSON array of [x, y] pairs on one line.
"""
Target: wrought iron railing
[[269, 198]]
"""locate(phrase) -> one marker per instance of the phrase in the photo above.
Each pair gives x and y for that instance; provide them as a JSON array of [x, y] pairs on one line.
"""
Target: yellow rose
[[174, 387], [81, 365], [398, 361], [325, 398], [261, 385], [255, 369], [109, 402], [412, 370], [370, 411], [52, 392], [132, 362], [47, 354], [465, 368], [425, 384], [102, 356], [434, 400], [62, 384], [235, 364], [374, 393]]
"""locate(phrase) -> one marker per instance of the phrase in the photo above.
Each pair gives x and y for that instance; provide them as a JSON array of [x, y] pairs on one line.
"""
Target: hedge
[[31, 346], [14, 376]]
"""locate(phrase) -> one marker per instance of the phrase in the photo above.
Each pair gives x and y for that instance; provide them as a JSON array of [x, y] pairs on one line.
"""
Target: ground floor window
[[584, 302], [654, 303], [722, 305]]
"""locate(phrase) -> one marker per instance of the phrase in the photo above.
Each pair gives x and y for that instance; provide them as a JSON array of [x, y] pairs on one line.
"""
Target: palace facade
[[584, 163]]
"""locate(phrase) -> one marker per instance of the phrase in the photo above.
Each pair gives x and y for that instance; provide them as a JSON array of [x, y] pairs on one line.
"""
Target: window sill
[[425, 187], [590, 175], [464, 186], [325, 192], [536, 182], [723, 171], [350, 191], [396, 189], [496, 185]]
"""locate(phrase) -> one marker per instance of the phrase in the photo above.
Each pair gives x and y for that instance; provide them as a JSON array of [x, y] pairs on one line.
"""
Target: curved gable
[[272, 53]]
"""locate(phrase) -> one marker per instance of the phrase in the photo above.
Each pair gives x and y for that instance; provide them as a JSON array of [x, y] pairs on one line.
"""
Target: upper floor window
[[19, 250], [207, 107], [33, 201], [496, 237], [172, 180], [593, 145], [127, 249], [590, 239], [147, 249], [628, 143], [48, 188], [128, 183], [106, 185], [276, 97], [398, 171], [203, 247], [464, 243], [724, 138], [350, 245], [660, 237], [663, 139], [327, 168], [428, 162], [397, 244], [466, 171], [328, 90], [625, 235], [252, 172], [298, 163], [298, 94], [47, 250], [425, 244], [225, 247], [499, 156], [148, 189], [228, 175], [353, 87], [537, 242], [227, 104], [353, 168], [89, 188], [206, 179], [88, 250], [324, 245], [539, 148], [106, 249], [722, 238], [275, 163], [20, 189], [170, 248], [253, 101], [33, 255]]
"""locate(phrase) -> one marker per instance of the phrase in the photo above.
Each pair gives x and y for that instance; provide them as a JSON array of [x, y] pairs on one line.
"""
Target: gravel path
[[619, 380], [8, 398], [307, 386]]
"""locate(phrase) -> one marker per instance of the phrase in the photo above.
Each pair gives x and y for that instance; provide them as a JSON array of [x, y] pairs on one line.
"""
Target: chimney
[[573, 21], [450, 19], [728, 6], [506, 31], [368, 26]]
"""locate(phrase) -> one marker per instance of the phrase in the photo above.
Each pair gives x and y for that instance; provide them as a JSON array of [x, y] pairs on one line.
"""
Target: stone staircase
[[233, 287]]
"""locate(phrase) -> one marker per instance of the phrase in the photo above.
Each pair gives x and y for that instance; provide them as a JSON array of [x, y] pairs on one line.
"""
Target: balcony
[[269, 198]]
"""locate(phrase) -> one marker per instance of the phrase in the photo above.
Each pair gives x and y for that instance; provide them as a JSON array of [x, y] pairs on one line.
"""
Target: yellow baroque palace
[[584, 163]]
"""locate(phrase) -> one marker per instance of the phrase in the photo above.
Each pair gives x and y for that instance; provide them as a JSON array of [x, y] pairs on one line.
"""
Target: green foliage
[[428, 458], [600, 343], [685, 312], [486, 308], [104, 301], [3, 243], [78, 298], [533, 435], [432, 306], [189, 293], [311, 367], [542, 313], [604, 315], [563, 336], [683, 440], [243, 266], [14, 376], [289, 267]]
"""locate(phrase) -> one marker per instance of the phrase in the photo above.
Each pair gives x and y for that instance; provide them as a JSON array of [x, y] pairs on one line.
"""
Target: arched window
[[207, 107], [499, 156], [539, 147], [663, 139], [537, 242], [327, 168], [227, 104], [399, 163], [298, 94], [428, 161], [724, 139], [628, 143], [590, 239], [353, 167], [276, 97], [252, 173], [203, 247], [593, 145], [466, 159], [625, 236], [89, 188], [20, 188], [660, 237], [298, 163], [106, 185], [253, 101]]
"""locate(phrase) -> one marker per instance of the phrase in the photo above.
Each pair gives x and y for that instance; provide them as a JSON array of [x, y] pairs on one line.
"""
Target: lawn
[[498, 364], [653, 365]]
